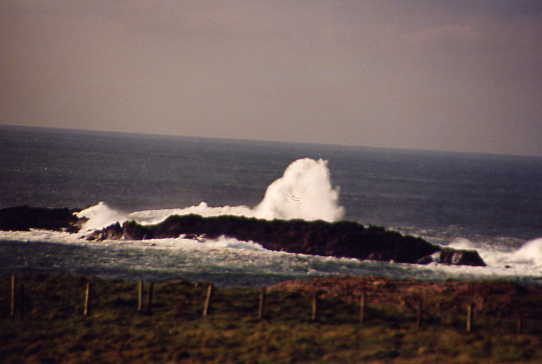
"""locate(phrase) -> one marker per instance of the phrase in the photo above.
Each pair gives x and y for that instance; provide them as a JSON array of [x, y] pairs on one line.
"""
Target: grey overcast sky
[[460, 75]]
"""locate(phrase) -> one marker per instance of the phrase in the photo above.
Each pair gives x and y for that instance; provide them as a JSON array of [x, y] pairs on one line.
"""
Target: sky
[[457, 75]]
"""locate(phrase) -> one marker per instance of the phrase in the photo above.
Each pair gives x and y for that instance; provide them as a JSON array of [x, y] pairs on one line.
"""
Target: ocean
[[491, 203]]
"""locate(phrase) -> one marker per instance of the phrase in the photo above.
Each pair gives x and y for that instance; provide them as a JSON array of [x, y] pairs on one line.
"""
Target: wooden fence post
[[139, 295], [207, 301], [419, 314], [86, 299], [12, 296], [21, 300], [314, 313], [519, 325], [362, 306], [261, 305], [470, 311], [149, 297]]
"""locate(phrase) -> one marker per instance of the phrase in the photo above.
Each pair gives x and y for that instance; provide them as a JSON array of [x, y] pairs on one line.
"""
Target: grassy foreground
[[52, 329]]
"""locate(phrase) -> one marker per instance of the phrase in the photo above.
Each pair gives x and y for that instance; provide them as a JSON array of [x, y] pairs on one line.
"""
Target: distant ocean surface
[[491, 202]]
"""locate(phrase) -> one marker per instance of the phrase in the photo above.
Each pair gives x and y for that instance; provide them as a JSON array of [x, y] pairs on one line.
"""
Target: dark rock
[[133, 231], [428, 259], [26, 218], [453, 257], [130, 230], [461, 257], [112, 232]]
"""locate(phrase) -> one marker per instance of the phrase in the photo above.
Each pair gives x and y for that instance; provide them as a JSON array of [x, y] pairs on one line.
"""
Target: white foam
[[462, 243], [303, 192], [149, 217], [100, 216], [502, 260], [36, 235], [530, 253]]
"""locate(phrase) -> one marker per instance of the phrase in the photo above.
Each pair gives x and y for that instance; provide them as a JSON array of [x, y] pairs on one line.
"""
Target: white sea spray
[[303, 192]]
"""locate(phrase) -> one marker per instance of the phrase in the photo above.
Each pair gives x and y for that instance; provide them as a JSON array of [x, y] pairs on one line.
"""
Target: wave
[[531, 252], [303, 192], [528, 257]]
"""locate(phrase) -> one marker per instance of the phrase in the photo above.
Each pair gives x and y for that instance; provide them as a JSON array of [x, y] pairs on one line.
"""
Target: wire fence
[[32, 299]]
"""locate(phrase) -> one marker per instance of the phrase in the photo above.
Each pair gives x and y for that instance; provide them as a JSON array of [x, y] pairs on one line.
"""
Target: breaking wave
[[526, 258], [303, 192]]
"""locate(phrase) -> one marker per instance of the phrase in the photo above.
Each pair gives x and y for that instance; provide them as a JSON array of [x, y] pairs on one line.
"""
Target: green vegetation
[[52, 328]]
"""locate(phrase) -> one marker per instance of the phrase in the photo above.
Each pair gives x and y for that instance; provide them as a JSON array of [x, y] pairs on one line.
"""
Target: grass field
[[52, 329]]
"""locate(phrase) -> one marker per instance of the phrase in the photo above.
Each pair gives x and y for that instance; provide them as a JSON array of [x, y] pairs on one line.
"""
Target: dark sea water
[[492, 198]]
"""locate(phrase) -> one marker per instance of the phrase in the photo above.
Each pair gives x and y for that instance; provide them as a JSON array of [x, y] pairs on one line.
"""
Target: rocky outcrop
[[453, 257], [340, 239], [25, 217]]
